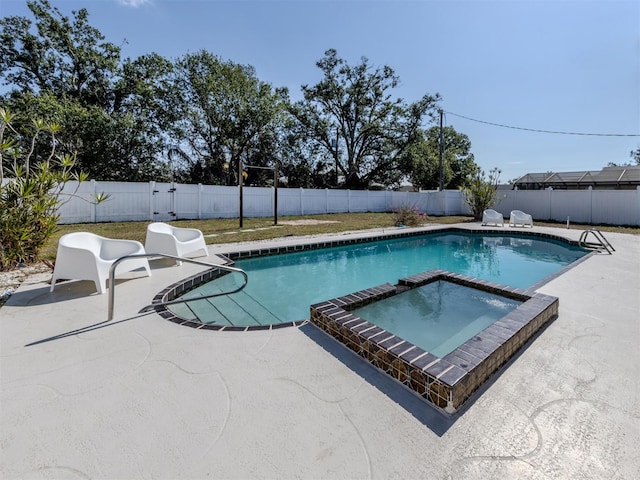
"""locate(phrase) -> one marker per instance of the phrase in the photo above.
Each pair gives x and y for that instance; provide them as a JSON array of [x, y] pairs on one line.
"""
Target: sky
[[554, 65]]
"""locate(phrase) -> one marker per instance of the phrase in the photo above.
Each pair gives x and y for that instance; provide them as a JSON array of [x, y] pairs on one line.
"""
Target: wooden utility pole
[[441, 152]]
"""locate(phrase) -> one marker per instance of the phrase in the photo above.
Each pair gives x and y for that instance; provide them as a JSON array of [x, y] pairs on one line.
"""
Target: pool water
[[282, 287], [438, 317]]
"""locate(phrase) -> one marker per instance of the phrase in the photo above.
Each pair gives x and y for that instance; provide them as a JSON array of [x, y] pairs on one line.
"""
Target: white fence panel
[[289, 201], [165, 201], [187, 201], [337, 201], [218, 201], [620, 207], [378, 201], [359, 201], [400, 200], [534, 202], [78, 203], [312, 202], [570, 204], [257, 202], [128, 201]]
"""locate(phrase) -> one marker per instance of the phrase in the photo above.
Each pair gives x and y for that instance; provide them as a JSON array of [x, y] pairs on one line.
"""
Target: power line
[[546, 131]]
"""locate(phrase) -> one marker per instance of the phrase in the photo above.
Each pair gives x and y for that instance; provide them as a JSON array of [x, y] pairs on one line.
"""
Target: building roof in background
[[608, 177]]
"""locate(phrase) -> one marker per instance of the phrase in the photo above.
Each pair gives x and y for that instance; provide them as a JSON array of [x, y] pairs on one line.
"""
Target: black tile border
[[339, 242], [445, 382]]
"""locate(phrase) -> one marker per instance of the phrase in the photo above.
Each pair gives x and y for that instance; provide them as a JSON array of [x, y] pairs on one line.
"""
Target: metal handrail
[[152, 306], [602, 242]]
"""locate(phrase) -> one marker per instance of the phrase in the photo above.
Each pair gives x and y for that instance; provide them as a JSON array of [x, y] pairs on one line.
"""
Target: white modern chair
[[176, 241], [520, 218], [491, 216], [86, 256]]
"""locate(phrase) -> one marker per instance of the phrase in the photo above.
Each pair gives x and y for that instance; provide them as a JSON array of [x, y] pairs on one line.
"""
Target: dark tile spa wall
[[444, 382]]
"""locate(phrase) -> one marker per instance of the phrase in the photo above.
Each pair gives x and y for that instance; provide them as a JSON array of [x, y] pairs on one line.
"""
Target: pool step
[[236, 309]]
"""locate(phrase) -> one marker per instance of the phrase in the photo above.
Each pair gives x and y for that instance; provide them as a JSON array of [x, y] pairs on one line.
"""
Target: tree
[[634, 154], [64, 70], [219, 114], [353, 106], [481, 192], [66, 57], [421, 162]]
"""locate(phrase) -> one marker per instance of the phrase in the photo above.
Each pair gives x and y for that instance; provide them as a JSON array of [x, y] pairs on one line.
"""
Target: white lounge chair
[[520, 218], [176, 241], [491, 216], [86, 256]]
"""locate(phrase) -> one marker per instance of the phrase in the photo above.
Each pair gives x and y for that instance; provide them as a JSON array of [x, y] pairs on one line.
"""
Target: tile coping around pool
[[444, 382], [177, 289]]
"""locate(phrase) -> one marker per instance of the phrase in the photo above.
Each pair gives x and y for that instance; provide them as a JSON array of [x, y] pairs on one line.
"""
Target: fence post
[[94, 205], [444, 194], [301, 201], [152, 188], [348, 201], [326, 200], [638, 205], [550, 189], [590, 205], [199, 201]]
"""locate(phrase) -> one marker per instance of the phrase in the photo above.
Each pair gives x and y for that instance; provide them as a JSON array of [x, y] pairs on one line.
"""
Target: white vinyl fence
[[607, 207], [152, 201]]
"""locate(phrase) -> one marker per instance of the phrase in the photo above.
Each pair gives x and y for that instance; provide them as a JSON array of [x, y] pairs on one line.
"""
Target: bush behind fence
[[154, 201]]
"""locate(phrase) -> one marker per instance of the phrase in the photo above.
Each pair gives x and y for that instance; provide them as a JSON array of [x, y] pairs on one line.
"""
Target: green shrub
[[31, 187], [481, 192]]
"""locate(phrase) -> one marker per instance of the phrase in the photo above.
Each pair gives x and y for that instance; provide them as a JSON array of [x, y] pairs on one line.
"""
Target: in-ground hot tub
[[445, 381]]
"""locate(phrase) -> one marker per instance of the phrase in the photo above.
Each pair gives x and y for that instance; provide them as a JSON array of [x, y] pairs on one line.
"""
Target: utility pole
[[240, 188], [441, 152], [337, 131]]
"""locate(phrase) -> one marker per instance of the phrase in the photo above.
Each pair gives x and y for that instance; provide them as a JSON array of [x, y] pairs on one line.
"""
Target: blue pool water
[[282, 287], [439, 316]]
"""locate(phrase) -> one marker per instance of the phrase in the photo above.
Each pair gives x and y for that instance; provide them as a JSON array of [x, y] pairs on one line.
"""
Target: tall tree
[[68, 58], [61, 69], [353, 118], [421, 162], [220, 114]]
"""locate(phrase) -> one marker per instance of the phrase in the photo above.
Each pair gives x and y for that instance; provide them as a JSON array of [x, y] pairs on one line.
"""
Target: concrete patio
[[140, 397]]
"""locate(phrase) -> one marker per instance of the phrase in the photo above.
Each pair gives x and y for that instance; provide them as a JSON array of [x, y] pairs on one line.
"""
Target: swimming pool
[[282, 287]]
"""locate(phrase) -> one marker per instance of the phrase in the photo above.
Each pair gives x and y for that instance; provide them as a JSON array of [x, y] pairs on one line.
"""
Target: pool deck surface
[[141, 397]]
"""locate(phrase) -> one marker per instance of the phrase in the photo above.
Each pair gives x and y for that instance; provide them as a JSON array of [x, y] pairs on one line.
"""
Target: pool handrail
[[152, 306], [600, 244]]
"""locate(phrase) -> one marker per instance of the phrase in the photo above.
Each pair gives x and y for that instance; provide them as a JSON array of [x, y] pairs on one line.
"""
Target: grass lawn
[[228, 231]]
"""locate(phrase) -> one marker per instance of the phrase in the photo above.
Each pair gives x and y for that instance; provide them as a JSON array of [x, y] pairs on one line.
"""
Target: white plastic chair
[[491, 216], [520, 218], [176, 241], [86, 256]]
